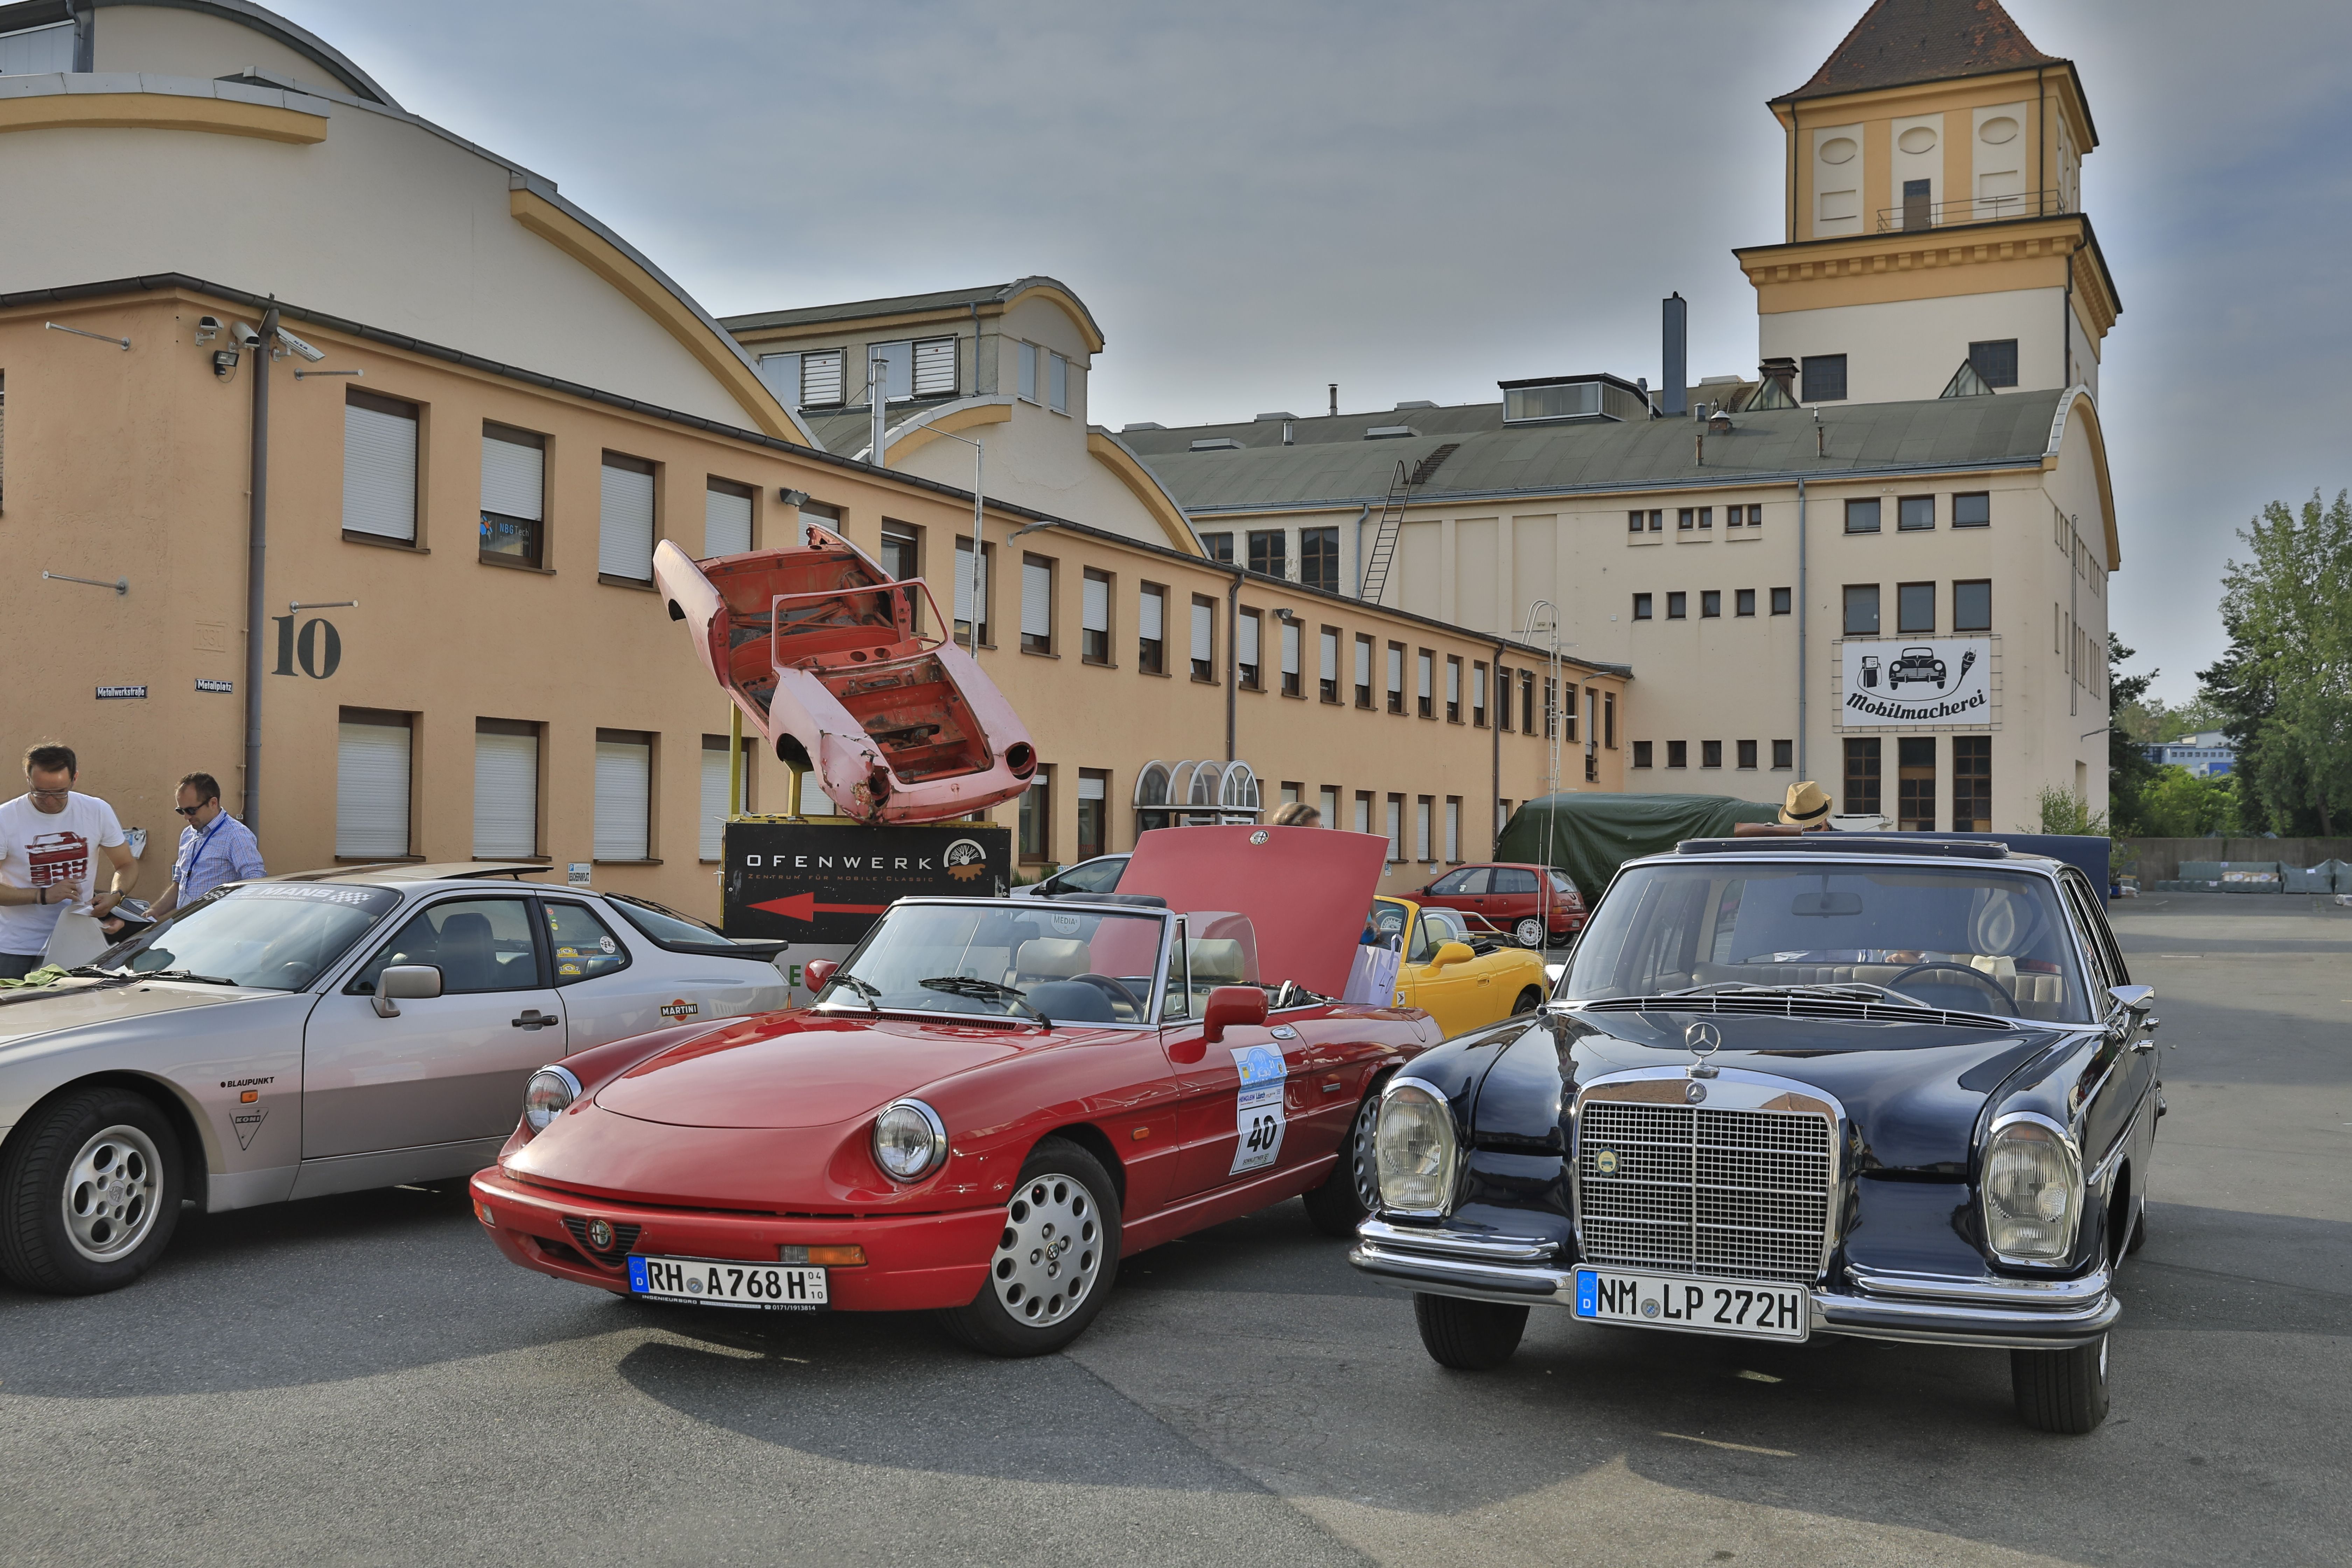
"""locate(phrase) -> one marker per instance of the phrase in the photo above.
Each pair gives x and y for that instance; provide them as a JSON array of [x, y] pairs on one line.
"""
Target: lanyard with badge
[[188, 869]]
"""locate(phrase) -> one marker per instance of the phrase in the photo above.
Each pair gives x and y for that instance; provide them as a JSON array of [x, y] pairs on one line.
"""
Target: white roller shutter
[[1091, 788], [623, 790], [935, 367], [964, 585], [713, 839], [1245, 628], [1454, 682], [1203, 634], [1454, 832], [514, 478], [1154, 621], [506, 796], [814, 802], [821, 379], [372, 789], [1326, 654], [1095, 610], [1037, 600], [379, 473], [625, 536], [1290, 647], [726, 523], [1363, 663]]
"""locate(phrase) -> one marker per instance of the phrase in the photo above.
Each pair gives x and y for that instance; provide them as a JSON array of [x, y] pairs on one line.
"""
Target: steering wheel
[[1117, 993], [2007, 1002]]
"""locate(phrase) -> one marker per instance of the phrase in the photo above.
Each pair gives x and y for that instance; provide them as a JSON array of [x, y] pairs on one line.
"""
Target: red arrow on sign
[[804, 907]]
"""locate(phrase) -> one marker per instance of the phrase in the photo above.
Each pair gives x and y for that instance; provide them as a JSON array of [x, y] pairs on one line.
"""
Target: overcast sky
[[1416, 200]]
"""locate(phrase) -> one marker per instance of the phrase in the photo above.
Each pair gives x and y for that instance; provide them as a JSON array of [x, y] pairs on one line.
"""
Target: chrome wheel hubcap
[[110, 1193], [1530, 933], [1050, 1253]]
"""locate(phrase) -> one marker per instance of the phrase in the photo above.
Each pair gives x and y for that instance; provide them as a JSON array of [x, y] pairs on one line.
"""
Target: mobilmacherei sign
[[1895, 682]]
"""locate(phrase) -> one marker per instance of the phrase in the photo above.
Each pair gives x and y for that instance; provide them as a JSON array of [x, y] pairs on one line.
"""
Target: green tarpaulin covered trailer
[[1587, 836]]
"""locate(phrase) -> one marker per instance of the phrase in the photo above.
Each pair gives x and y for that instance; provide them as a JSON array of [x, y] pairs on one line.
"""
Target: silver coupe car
[[320, 1033]]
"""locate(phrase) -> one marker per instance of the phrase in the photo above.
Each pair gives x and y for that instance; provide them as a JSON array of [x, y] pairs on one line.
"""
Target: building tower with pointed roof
[[1935, 243]]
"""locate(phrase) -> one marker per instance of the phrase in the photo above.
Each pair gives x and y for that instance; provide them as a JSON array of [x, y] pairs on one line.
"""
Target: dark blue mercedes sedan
[[1898, 1087]]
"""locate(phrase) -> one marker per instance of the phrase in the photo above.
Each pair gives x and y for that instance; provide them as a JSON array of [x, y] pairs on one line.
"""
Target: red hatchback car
[[991, 1103], [1526, 900]]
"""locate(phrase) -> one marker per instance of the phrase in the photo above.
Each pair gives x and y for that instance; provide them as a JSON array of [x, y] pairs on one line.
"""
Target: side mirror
[[817, 972], [2130, 1016], [405, 982], [1451, 952], [2134, 999], [1231, 1006]]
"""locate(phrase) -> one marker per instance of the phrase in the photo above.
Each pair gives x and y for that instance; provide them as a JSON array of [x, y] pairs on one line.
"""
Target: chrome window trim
[[1152, 1020], [1752, 1089], [2082, 1187]]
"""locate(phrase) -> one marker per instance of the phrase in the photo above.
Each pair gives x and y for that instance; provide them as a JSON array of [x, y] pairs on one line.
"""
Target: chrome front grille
[[1694, 1189]]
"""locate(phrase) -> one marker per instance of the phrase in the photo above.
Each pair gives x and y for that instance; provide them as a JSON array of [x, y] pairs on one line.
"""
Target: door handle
[[532, 1018]]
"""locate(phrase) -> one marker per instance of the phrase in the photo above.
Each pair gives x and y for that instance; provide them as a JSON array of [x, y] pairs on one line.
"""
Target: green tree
[[2285, 682], [2130, 772], [2176, 804]]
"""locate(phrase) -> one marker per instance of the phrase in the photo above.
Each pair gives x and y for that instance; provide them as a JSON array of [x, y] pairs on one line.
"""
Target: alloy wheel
[[1050, 1252], [110, 1194]]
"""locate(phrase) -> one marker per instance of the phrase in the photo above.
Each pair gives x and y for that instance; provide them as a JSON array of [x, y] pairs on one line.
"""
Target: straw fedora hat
[[1807, 805]]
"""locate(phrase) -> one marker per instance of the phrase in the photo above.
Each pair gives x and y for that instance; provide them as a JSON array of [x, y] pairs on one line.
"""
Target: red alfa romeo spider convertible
[[988, 1104]]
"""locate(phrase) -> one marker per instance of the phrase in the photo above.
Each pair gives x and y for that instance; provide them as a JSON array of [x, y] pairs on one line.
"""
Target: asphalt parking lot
[[363, 1380]]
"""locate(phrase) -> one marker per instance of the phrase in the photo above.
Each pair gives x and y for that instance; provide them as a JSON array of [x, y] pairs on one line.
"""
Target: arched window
[[1151, 796]]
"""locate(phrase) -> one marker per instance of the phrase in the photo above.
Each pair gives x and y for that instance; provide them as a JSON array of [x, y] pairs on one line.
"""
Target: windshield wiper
[[1832, 988], [183, 974], [870, 994], [972, 985]]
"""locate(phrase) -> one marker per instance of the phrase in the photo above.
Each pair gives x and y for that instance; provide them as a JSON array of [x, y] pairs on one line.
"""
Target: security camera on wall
[[207, 328], [299, 347], [246, 335]]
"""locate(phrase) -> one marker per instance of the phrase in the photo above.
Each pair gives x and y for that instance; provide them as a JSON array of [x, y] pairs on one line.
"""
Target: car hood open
[[86, 1004], [805, 1069], [1912, 1091]]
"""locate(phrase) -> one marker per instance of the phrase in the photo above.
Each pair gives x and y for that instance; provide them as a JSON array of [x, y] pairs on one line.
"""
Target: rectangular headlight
[[2033, 1191], [1413, 1150]]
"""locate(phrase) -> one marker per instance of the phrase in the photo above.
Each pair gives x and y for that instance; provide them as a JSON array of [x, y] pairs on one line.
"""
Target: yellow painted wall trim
[[1070, 307], [615, 266], [1920, 264], [2078, 400], [908, 439], [159, 112], [1139, 481]]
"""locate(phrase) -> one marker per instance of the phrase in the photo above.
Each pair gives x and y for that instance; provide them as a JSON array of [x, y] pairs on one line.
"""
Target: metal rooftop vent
[[1416, 403], [1216, 444], [1388, 432], [1276, 414], [1571, 399], [1142, 425]]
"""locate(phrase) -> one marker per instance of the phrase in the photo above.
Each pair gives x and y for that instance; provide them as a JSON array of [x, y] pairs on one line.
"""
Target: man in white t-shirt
[[50, 840]]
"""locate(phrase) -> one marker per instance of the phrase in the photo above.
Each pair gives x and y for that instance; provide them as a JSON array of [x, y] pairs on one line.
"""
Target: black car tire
[[2139, 1231], [2061, 1391], [1468, 1336], [1530, 1000], [1528, 933], [123, 1135], [1061, 1174], [1351, 1192]]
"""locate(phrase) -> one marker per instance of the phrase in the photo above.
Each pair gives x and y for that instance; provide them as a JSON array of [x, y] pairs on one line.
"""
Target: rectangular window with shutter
[[1093, 812], [1036, 819], [1326, 663], [935, 367], [898, 369], [823, 384], [1478, 694], [1363, 671], [624, 527], [1502, 698], [1292, 685], [1025, 384], [1396, 677], [1396, 828], [505, 789], [624, 792], [1453, 830], [1247, 626], [1452, 690], [725, 518], [1058, 391], [1151, 630], [1425, 673], [972, 590], [712, 838], [379, 466], [1093, 617], [373, 758], [1422, 810], [1330, 807], [1037, 605], [514, 497], [1205, 638]]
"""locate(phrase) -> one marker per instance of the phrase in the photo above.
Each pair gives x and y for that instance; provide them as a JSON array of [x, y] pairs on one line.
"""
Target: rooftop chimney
[[1673, 371], [1335, 400]]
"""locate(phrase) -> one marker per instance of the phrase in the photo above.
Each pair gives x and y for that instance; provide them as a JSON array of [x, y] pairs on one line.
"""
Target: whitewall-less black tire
[[1055, 1259], [89, 1192]]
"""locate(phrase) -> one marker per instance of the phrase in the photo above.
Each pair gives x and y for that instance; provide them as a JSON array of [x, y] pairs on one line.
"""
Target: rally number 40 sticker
[[1257, 1119]]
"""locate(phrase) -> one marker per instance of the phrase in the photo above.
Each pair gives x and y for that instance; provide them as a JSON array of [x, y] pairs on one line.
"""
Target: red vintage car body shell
[[732, 1141]]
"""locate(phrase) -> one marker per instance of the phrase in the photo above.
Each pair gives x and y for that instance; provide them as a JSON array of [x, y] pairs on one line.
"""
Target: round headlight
[[552, 1089], [911, 1142], [2032, 1192], [1413, 1149]]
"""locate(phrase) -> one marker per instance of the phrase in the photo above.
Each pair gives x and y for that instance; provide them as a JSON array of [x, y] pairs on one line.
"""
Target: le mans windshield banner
[[1897, 682], [827, 882]]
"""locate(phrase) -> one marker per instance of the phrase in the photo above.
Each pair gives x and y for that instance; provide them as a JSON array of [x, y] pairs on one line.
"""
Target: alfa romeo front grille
[[624, 1238], [1698, 1189]]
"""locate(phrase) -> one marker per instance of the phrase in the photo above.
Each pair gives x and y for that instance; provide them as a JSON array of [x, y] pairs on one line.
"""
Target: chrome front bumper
[[1925, 1309]]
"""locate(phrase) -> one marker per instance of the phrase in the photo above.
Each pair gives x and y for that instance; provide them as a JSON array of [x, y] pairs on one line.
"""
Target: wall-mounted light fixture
[[792, 498], [225, 363]]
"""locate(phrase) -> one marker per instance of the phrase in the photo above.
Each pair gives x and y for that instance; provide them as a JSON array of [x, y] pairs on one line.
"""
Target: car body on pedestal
[[320, 1033], [1898, 1088], [990, 1102]]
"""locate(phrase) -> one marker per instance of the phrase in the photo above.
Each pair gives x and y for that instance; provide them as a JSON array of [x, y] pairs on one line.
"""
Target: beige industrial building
[[1883, 562], [473, 409]]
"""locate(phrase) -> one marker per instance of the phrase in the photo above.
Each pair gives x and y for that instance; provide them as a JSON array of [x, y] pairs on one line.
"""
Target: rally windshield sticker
[[1257, 1115]]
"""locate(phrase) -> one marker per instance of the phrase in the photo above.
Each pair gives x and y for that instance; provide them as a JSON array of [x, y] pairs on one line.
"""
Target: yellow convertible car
[[1461, 978]]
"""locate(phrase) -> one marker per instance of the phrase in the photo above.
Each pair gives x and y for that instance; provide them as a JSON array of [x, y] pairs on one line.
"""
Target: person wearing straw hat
[[1807, 810]]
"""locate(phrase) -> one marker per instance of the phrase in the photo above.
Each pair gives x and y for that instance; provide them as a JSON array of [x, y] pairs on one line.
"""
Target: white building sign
[[1896, 683]]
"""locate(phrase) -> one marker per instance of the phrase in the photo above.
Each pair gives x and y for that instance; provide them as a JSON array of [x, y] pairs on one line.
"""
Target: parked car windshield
[[1009, 958], [1668, 927], [277, 936]]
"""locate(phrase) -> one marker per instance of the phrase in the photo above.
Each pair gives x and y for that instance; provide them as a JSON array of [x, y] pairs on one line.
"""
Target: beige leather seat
[[1052, 958]]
